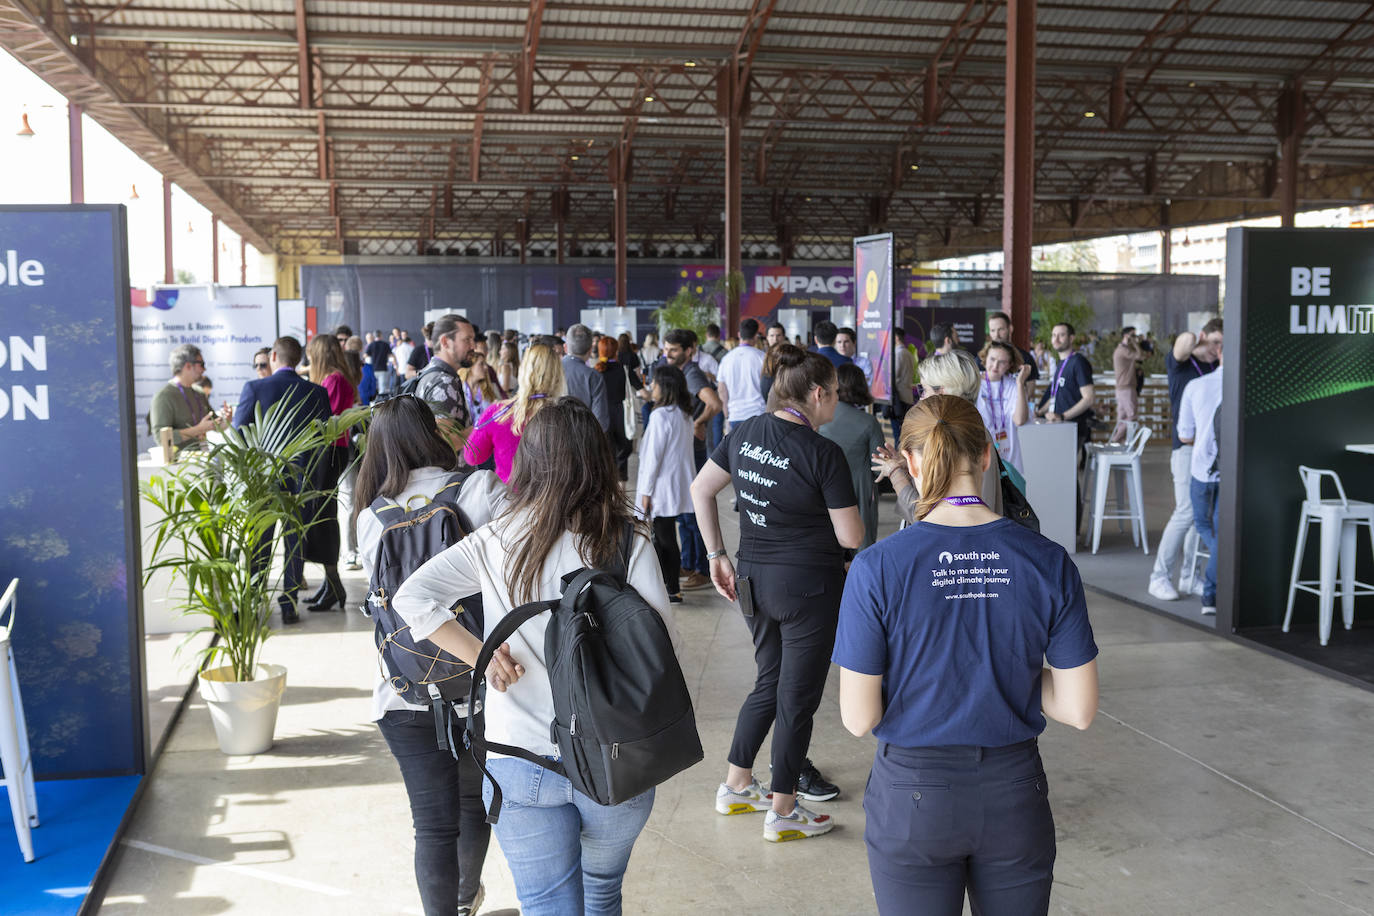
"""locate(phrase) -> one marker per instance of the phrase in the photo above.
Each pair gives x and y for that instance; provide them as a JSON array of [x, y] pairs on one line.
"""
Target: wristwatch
[[716, 553]]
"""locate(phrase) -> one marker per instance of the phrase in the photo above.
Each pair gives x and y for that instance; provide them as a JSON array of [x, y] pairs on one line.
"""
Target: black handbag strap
[[473, 736]]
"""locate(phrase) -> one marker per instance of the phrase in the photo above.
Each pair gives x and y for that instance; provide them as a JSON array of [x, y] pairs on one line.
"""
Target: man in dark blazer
[[283, 384]]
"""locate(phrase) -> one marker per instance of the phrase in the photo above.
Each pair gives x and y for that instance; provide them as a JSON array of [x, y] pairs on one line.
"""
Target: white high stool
[[1340, 520], [14, 733], [1107, 460]]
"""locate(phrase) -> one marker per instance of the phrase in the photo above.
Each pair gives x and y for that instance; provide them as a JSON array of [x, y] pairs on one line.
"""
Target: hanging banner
[[1298, 389], [228, 323], [872, 279], [69, 517], [970, 326]]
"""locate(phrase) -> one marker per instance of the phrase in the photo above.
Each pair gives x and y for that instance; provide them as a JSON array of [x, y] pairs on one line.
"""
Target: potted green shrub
[[220, 508]]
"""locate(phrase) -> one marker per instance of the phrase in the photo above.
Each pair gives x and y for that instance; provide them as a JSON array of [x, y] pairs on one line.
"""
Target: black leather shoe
[[332, 595], [321, 594], [288, 611]]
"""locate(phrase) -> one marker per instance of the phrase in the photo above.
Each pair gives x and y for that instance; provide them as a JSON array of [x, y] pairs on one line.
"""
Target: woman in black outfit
[[613, 372], [797, 515]]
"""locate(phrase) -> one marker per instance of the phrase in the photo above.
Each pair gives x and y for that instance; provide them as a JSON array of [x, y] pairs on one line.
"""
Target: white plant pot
[[244, 712]]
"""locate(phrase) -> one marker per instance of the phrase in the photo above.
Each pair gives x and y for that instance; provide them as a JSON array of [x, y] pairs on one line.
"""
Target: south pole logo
[[946, 558]]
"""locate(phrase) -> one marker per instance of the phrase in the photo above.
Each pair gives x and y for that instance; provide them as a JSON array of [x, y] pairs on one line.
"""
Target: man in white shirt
[[740, 379], [1197, 415]]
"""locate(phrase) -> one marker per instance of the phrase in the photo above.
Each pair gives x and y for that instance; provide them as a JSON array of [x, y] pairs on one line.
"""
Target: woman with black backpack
[[567, 511], [409, 462]]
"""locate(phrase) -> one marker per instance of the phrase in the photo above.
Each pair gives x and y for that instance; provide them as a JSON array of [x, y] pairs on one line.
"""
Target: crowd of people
[[535, 436]]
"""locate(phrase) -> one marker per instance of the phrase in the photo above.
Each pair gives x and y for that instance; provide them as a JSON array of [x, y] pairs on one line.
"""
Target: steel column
[[76, 153], [1166, 245], [243, 262], [1018, 197], [560, 217], [732, 100], [214, 248], [168, 274], [1292, 123], [620, 220]]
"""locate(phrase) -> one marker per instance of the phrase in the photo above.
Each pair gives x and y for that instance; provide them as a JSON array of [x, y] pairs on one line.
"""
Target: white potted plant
[[220, 509]]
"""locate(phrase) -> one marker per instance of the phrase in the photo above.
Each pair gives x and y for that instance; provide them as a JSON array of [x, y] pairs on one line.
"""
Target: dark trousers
[[665, 545], [795, 611], [945, 820], [451, 830], [1085, 434], [293, 561], [898, 413], [693, 546]]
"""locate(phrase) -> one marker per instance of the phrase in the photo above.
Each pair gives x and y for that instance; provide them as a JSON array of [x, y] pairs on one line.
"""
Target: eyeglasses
[[261, 366], [197, 362]]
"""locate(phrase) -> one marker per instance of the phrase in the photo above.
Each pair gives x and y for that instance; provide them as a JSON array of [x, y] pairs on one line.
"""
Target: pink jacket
[[493, 436]]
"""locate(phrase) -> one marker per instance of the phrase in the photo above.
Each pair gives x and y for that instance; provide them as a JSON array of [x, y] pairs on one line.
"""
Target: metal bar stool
[[14, 733], [1107, 460], [1340, 520]]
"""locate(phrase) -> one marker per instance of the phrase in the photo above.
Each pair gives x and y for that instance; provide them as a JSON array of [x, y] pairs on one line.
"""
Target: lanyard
[[1059, 376], [189, 407], [996, 412], [799, 415], [964, 501]]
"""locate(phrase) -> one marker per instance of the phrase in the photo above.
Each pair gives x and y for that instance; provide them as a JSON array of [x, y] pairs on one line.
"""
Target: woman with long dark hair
[[410, 463], [663, 488], [567, 511], [797, 516], [321, 542], [944, 629]]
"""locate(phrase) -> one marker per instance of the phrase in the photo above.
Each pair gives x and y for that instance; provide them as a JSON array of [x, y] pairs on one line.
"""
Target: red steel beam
[[529, 48], [302, 56], [1018, 197], [483, 90], [1292, 124]]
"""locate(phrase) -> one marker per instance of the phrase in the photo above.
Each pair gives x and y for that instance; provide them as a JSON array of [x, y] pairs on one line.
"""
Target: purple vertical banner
[[872, 282]]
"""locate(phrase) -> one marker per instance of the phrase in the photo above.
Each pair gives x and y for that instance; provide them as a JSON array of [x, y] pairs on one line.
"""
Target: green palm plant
[[226, 506]]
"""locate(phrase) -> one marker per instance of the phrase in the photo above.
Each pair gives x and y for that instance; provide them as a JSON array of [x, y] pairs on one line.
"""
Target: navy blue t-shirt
[[1180, 374], [958, 621], [1066, 386]]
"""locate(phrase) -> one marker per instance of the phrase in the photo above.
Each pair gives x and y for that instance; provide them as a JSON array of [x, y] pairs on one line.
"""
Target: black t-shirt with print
[[787, 477]]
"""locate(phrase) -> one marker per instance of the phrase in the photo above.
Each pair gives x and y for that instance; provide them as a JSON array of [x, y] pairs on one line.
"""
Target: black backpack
[[1015, 505], [418, 670], [623, 719]]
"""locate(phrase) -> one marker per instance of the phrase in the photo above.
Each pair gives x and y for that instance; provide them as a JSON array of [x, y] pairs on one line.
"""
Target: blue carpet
[[79, 818]]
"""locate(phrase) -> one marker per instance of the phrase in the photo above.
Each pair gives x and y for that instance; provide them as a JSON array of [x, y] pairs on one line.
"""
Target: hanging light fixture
[[24, 129], [133, 192]]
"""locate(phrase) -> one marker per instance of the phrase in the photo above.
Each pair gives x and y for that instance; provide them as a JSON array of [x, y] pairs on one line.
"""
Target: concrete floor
[[1216, 780]]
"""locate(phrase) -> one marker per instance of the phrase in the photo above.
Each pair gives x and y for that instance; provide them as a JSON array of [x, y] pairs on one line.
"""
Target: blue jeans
[[567, 853], [1205, 520], [716, 431], [693, 546]]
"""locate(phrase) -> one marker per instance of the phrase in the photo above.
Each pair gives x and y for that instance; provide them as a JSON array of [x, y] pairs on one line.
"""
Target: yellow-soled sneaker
[[752, 799], [801, 824]]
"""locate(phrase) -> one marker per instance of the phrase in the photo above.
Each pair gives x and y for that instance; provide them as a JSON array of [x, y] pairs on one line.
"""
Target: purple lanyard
[[799, 415], [964, 501], [189, 408], [1196, 367], [1059, 376], [995, 411]]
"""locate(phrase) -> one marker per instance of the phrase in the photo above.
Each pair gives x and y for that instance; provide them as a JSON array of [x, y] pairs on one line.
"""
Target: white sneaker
[[799, 825], [1196, 588], [1209, 611], [1161, 589], [752, 799]]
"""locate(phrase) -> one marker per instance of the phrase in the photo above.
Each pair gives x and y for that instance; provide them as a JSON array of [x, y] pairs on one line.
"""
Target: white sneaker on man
[[1163, 590], [1209, 611]]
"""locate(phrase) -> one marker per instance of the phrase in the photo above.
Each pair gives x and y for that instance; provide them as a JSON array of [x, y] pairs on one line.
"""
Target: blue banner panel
[[68, 503]]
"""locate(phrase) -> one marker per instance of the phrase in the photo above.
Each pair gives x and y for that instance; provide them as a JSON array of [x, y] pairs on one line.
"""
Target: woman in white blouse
[[666, 469], [567, 511], [408, 462]]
